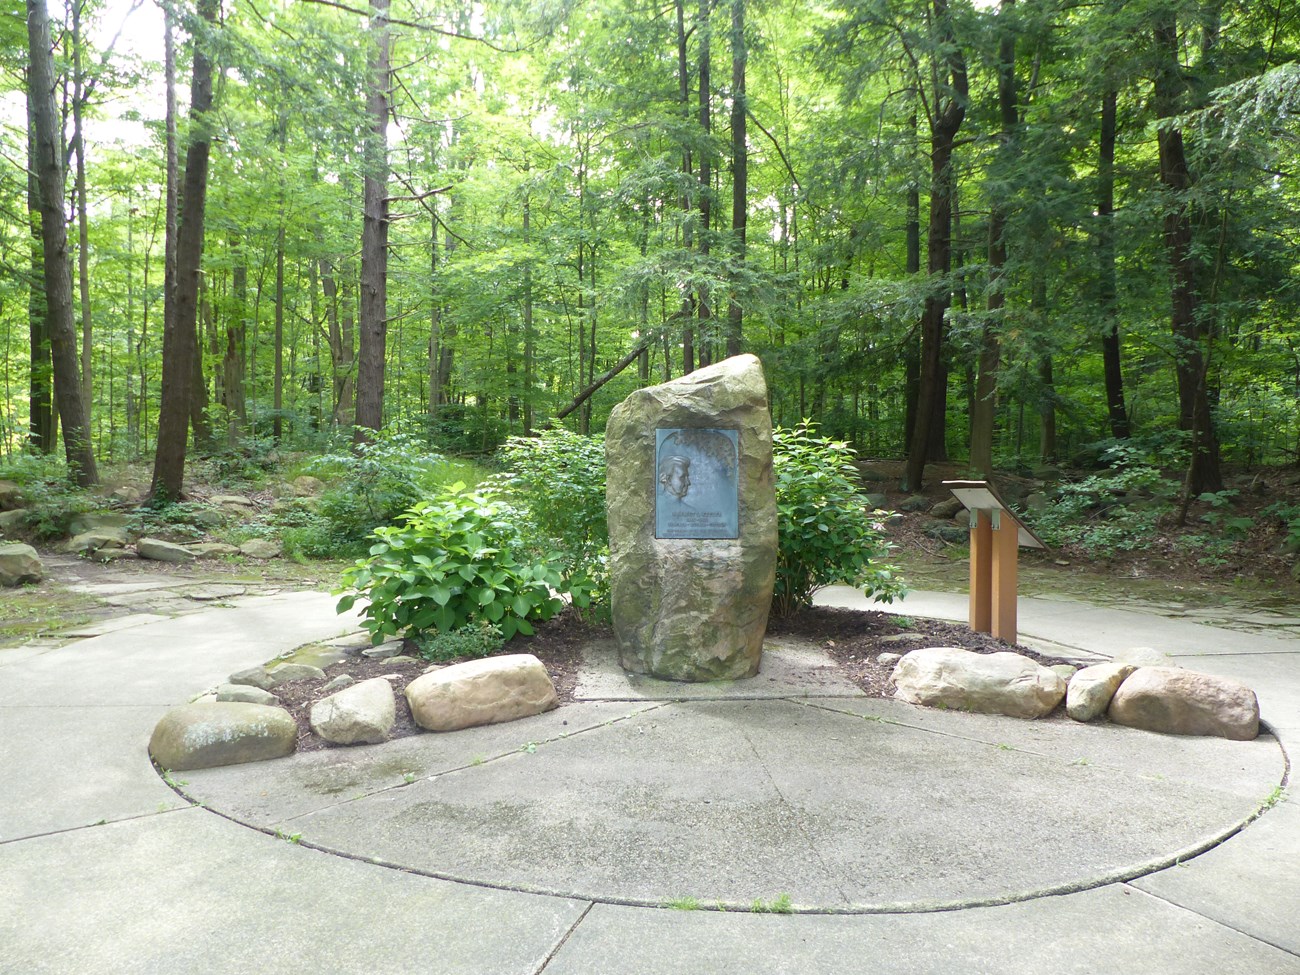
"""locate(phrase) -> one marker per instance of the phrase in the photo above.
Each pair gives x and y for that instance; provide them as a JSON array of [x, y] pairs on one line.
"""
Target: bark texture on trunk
[[373, 318], [54, 243], [180, 335], [1107, 291], [1190, 364]]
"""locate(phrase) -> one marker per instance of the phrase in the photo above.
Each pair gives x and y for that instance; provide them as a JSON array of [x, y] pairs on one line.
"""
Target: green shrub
[[556, 481], [828, 533], [477, 640], [1115, 510], [453, 562], [50, 497]]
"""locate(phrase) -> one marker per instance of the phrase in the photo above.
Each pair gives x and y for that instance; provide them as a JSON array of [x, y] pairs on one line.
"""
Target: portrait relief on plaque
[[697, 489]]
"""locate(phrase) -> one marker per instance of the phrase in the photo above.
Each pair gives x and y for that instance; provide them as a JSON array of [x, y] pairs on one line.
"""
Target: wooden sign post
[[995, 539]]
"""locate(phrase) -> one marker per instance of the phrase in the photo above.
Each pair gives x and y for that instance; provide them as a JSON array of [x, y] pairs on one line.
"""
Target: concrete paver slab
[[1250, 884], [113, 625], [1111, 929], [190, 892], [265, 793], [69, 767], [732, 801], [1244, 768], [168, 662], [790, 668]]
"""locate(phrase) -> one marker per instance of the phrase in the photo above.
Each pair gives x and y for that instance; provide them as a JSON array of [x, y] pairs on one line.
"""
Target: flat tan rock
[[1181, 702], [481, 692], [1091, 689], [992, 683]]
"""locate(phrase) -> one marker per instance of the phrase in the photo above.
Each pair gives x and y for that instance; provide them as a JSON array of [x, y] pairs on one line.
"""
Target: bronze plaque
[[697, 483]]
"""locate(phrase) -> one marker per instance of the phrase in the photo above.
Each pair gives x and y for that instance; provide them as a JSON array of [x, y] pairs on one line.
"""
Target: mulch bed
[[853, 638]]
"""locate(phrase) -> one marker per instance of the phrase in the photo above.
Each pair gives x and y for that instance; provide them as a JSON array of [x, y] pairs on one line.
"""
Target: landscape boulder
[[284, 673], [12, 519], [361, 713], [11, 496], [92, 541], [260, 548], [231, 500], [692, 523], [306, 486], [946, 508], [209, 734], [19, 564], [212, 550], [994, 683], [1181, 702], [1090, 690], [160, 551], [246, 694], [481, 692]]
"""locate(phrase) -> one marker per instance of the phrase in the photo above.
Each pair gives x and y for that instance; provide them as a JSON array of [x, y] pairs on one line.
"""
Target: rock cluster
[[1135, 691]]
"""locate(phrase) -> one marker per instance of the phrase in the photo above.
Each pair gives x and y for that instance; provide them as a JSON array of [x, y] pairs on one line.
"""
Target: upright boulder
[[692, 523], [359, 714], [1181, 702]]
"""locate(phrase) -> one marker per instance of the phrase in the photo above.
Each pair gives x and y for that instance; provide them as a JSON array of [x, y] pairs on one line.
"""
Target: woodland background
[[998, 234]]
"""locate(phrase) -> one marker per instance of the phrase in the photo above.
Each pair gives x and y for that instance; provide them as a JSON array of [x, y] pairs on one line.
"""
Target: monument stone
[[692, 523]]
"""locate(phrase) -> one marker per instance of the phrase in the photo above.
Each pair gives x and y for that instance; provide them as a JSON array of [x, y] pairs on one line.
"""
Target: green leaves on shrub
[[828, 532], [556, 481], [453, 562]]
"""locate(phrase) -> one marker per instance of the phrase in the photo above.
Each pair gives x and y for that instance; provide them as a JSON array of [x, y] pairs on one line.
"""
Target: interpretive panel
[[697, 492]]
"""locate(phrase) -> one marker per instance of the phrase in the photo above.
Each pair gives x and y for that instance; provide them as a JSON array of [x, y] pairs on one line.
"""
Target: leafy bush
[[368, 486], [828, 532], [477, 640], [1115, 510], [451, 563], [557, 482], [50, 497]]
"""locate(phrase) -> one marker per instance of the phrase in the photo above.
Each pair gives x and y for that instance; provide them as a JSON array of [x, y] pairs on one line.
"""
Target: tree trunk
[[949, 112], [912, 353], [688, 174], [1106, 287], [703, 305], [984, 406], [1190, 364], [180, 334], [42, 422], [79, 186], [54, 242], [374, 231], [739, 170], [200, 423], [232, 363], [530, 333]]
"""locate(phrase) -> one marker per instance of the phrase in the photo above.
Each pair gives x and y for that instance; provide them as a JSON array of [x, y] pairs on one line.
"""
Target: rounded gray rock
[[362, 713], [19, 564], [207, 735], [993, 683]]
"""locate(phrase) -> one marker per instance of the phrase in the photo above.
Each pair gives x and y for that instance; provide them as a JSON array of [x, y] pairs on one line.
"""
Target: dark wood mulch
[[853, 638]]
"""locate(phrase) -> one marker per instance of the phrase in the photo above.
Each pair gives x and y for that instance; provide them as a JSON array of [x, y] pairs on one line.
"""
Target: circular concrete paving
[[839, 805]]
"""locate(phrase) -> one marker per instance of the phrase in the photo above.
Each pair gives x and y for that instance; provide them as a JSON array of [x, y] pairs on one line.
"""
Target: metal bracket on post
[[994, 548]]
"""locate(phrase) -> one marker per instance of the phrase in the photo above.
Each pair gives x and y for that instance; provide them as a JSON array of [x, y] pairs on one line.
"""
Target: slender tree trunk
[[54, 242], [180, 335], [530, 333], [232, 363], [704, 307], [1106, 287], [688, 173], [949, 112], [984, 406], [83, 230], [199, 400], [374, 231], [42, 420], [912, 353], [1190, 365], [277, 388], [739, 170]]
